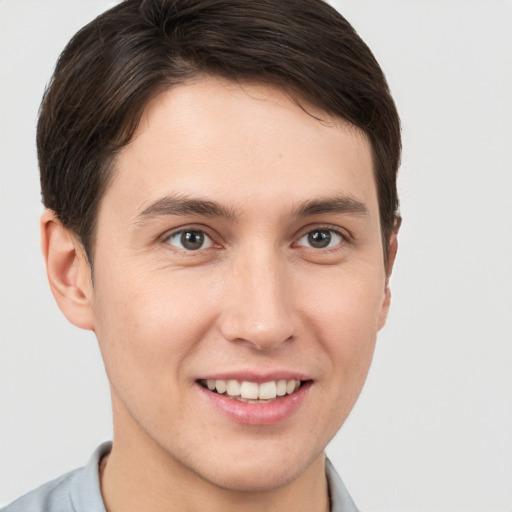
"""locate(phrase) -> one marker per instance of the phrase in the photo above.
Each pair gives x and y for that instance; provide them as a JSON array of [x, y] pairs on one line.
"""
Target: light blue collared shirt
[[79, 491]]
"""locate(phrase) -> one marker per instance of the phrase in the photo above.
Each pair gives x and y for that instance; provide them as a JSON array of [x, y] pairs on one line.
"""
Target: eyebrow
[[338, 204], [182, 205], [173, 205]]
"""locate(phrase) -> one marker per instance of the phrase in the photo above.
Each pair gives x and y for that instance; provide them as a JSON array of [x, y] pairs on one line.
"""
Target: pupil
[[192, 239], [319, 239]]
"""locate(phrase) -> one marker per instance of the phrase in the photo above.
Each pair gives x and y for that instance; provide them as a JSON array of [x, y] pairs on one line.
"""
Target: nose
[[257, 307]]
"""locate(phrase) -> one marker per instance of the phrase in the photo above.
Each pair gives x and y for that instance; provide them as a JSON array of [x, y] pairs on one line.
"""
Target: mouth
[[252, 392], [256, 402]]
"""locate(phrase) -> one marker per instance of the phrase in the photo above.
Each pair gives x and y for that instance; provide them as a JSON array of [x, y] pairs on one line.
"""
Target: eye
[[321, 239], [190, 240]]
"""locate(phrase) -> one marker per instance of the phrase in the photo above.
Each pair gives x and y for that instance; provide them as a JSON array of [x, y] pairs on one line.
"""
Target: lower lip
[[267, 413]]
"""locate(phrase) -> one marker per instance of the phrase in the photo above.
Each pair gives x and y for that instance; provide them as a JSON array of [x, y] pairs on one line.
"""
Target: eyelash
[[180, 233], [342, 239]]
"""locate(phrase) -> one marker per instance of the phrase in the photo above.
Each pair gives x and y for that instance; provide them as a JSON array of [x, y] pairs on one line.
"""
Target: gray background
[[433, 428]]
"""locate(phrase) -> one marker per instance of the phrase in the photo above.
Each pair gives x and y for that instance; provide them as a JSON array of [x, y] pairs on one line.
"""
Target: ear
[[392, 250], [68, 271]]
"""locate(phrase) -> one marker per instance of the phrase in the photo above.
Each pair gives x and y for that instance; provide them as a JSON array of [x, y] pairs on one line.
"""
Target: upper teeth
[[253, 390]]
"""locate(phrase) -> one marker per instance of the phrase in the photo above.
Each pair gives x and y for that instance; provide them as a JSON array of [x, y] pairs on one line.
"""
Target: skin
[[258, 298]]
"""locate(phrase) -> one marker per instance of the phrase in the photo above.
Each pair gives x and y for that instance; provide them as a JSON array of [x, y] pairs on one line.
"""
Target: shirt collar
[[341, 500]]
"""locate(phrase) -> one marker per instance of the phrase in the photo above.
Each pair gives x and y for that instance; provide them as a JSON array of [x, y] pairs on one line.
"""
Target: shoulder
[[76, 491], [53, 496]]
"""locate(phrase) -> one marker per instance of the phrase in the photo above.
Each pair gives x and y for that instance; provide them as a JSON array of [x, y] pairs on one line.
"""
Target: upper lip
[[251, 376]]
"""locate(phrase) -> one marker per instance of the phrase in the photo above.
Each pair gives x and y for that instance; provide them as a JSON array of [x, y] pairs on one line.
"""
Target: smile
[[252, 392], [256, 402]]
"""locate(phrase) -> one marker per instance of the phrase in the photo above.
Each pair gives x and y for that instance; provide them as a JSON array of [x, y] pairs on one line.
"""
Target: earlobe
[[68, 271], [384, 308]]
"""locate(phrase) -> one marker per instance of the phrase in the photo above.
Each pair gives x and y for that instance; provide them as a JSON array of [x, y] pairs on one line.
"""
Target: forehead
[[240, 142]]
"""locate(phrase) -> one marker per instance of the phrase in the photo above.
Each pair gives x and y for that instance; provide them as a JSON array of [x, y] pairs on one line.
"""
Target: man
[[220, 185]]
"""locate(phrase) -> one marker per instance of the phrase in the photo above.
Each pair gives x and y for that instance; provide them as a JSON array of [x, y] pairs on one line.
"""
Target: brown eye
[[190, 240], [320, 239]]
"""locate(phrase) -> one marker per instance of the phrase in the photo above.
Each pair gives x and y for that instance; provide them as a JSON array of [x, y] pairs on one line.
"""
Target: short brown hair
[[115, 64]]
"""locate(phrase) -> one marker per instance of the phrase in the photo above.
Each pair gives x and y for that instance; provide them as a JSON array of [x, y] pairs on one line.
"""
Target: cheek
[[345, 308], [348, 300], [148, 324]]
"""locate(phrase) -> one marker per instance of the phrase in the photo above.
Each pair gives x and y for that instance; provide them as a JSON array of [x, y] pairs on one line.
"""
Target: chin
[[253, 478], [257, 470]]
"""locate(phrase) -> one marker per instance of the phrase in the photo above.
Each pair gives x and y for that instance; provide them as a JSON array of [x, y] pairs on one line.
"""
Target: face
[[239, 282]]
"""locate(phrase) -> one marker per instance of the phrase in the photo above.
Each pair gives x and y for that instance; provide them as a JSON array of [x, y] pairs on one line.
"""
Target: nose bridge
[[259, 310]]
